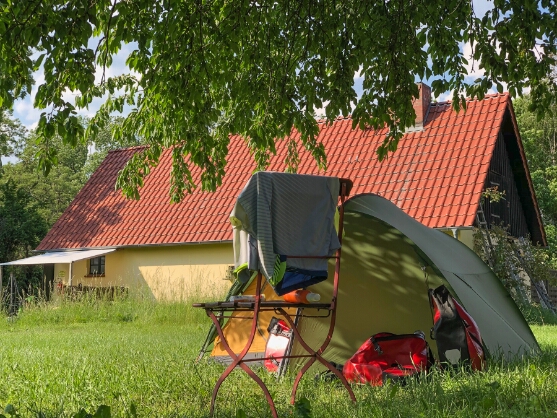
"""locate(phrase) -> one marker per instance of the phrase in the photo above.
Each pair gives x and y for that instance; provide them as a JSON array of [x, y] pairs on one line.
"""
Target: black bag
[[455, 331]]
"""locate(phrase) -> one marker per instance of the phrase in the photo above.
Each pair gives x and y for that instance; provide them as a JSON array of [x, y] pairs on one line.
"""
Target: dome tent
[[389, 260]]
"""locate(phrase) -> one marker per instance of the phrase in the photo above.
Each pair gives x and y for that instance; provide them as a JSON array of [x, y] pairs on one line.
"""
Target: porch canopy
[[58, 257]]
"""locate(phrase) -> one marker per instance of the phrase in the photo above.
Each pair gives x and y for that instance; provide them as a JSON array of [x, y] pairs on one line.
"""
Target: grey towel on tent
[[286, 214]]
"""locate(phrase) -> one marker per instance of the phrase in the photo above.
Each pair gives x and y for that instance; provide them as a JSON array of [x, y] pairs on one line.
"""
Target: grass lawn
[[138, 357]]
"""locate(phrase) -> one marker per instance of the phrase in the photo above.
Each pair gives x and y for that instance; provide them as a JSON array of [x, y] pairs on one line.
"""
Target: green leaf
[[82, 413], [10, 410], [520, 386], [393, 391], [494, 385], [302, 408], [103, 411], [38, 62], [133, 410], [488, 401]]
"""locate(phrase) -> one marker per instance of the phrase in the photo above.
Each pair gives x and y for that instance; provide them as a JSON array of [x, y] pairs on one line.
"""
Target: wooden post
[[1, 287], [70, 274], [12, 290]]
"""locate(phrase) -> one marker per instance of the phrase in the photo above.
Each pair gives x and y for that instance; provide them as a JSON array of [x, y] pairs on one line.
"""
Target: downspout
[[455, 233]]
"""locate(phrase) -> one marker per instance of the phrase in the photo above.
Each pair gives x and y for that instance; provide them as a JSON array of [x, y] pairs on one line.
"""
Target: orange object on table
[[301, 296]]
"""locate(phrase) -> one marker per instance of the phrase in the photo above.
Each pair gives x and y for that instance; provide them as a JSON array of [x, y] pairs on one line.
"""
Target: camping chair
[[219, 310]]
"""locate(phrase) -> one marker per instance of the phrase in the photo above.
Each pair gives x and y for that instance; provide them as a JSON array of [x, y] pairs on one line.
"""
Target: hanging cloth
[[285, 214]]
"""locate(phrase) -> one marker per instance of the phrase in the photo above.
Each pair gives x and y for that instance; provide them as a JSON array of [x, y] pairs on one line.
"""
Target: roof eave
[[171, 244]]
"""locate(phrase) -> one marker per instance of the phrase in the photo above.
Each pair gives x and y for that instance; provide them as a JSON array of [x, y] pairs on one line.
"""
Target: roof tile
[[436, 176]]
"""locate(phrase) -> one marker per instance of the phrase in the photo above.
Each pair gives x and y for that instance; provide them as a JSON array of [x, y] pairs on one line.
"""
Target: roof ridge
[[475, 99], [128, 148], [445, 102], [335, 119]]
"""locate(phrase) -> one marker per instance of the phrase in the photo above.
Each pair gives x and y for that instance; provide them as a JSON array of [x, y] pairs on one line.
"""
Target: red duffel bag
[[389, 356]]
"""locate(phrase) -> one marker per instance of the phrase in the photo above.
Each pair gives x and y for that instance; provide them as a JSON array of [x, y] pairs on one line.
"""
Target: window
[[96, 265]]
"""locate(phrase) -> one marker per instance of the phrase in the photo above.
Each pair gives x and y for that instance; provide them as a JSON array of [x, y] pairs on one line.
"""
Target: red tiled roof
[[436, 176]]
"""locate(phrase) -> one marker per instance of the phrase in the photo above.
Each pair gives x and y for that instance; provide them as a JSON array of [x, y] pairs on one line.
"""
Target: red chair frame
[[258, 305]]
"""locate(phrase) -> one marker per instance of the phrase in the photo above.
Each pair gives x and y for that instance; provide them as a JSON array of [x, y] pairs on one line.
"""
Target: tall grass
[[536, 315], [123, 308], [134, 354]]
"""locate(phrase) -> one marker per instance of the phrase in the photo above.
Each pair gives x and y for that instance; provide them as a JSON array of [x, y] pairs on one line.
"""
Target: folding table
[[219, 310]]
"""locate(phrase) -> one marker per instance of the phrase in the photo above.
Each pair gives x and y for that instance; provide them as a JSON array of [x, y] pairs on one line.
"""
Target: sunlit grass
[[58, 358]]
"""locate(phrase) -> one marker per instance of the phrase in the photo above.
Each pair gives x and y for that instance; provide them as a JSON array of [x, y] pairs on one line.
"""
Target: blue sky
[[29, 116]]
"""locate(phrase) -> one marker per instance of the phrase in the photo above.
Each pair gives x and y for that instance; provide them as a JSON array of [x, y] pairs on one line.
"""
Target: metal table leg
[[316, 355], [237, 360]]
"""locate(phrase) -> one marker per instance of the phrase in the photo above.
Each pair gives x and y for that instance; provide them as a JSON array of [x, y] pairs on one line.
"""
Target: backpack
[[389, 356], [456, 333]]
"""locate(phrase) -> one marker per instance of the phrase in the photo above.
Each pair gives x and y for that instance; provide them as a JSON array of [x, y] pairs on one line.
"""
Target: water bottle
[[302, 296]]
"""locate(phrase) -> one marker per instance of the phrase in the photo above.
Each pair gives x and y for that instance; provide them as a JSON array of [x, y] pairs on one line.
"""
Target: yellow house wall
[[466, 236], [166, 272], [172, 272], [61, 272]]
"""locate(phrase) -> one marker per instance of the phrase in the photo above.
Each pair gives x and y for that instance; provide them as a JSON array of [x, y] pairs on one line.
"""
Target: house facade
[[169, 272], [173, 251]]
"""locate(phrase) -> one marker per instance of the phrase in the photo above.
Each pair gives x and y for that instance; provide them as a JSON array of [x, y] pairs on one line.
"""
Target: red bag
[[388, 356], [455, 331]]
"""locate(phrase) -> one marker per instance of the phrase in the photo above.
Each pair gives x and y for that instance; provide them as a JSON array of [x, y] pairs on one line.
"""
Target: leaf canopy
[[199, 71]]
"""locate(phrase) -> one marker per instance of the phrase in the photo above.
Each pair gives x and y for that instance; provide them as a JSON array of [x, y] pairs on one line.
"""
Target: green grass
[[56, 359]]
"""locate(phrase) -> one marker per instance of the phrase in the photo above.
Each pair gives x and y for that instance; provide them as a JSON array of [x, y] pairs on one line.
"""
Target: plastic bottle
[[302, 296]]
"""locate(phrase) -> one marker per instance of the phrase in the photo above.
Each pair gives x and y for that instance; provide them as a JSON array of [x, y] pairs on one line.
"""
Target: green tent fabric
[[388, 263], [389, 260]]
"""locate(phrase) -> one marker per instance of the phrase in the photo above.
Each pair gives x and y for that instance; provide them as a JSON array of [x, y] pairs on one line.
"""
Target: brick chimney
[[421, 105]]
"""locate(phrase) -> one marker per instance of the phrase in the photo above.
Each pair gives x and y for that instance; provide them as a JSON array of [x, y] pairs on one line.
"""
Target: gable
[[436, 176], [509, 210]]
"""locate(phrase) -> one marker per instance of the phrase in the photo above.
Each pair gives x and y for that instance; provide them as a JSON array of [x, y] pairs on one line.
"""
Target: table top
[[271, 304]]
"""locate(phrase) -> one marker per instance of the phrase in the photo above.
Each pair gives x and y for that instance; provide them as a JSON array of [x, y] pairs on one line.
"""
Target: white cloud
[[481, 7], [539, 51], [6, 160], [320, 112], [473, 67], [358, 84]]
